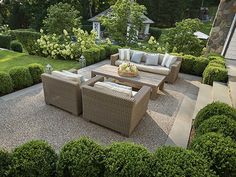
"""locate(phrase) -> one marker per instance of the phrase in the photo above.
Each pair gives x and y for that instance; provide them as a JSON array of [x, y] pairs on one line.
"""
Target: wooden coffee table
[[155, 81]]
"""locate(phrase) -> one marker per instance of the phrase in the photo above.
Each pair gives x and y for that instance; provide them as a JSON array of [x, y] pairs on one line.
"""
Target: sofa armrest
[[114, 58], [93, 80], [145, 91]]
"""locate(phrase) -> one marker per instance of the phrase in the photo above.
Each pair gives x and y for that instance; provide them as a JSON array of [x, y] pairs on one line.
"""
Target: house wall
[[221, 26]]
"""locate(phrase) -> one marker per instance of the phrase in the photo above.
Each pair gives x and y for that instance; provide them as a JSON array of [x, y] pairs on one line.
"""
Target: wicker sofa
[[64, 94], [114, 111], [171, 73]]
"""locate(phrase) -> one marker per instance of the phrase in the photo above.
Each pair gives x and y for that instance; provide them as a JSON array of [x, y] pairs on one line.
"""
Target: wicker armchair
[[113, 111], [64, 94]]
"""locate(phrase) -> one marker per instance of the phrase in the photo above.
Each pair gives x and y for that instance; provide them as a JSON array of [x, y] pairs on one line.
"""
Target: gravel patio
[[25, 116]]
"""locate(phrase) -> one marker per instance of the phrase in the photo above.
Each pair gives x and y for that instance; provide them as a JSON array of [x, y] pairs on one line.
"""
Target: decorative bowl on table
[[127, 70]]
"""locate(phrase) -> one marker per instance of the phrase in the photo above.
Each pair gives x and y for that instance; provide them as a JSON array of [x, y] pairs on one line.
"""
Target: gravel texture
[[27, 117]]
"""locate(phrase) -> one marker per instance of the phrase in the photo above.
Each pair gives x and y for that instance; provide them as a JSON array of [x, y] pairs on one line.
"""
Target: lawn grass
[[9, 59]]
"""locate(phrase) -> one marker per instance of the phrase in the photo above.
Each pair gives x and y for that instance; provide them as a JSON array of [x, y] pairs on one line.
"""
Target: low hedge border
[[85, 157], [5, 41]]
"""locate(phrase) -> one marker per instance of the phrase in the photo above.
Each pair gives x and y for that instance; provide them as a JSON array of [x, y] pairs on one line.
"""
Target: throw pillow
[[171, 61], [152, 59], [124, 54], [165, 59], [137, 57]]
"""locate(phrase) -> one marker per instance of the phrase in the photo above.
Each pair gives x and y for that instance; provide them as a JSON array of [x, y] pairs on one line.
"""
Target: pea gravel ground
[[27, 117]]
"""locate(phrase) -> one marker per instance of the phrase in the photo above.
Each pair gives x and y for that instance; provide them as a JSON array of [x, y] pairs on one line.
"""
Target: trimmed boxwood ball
[[5, 163], [81, 158], [127, 159], [220, 124], [200, 65], [6, 84], [176, 161], [187, 64], [21, 77], [16, 46], [220, 151], [35, 158], [215, 108], [35, 71]]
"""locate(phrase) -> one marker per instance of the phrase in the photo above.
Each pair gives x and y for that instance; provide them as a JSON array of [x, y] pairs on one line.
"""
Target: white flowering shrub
[[5, 30], [62, 46]]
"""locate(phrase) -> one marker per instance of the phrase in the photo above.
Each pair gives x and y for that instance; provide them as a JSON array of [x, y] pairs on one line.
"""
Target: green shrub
[[35, 71], [220, 124], [21, 77], [102, 53], [81, 158], [35, 158], [175, 161], [92, 55], [16, 46], [28, 39], [187, 64], [126, 159], [6, 85], [216, 108], [220, 151], [200, 65], [114, 49], [155, 32], [5, 163], [5, 41], [215, 57], [215, 73], [215, 62]]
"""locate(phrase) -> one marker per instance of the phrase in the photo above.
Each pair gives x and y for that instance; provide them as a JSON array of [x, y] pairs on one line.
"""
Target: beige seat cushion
[[64, 76], [113, 89]]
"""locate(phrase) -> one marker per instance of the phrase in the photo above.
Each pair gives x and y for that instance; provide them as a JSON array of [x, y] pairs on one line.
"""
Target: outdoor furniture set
[[109, 99]]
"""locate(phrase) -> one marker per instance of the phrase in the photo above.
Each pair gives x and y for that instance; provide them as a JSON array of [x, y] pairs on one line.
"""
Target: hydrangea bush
[[63, 47]]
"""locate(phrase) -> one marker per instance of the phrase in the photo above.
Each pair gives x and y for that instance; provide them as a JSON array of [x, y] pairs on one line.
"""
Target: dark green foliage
[[35, 158], [155, 32], [220, 124], [35, 71], [103, 53], [126, 159], [92, 55], [199, 66], [5, 41], [16, 46], [175, 161], [81, 158], [114, 49], [28, 39], [216, 108], [21, 77], [217, 62], [220, 151], [6, 84], [187, 64], [215, 73], [5, 163], [215, 57]]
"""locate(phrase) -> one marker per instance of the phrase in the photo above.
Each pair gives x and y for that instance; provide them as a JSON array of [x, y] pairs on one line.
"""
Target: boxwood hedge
[[35, 158], [176, 161], [220, 151], [35, 71], [220, 124], [81, 158], [5, 163], [127, 159], [21, 77], [215, 108], [6, 85], [16, 46], [5, 41]]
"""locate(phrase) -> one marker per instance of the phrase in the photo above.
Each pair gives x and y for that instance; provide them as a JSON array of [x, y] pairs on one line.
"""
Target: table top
[[146, 78]]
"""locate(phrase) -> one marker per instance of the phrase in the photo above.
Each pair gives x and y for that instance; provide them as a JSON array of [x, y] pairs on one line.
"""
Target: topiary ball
[[21, 77], [6, 85], [5, 163], [35, 158], [221, 124], [219, 150], [176, 161], [81, 158], [36, 70], [16, 46], [127, 159], [216, 108]]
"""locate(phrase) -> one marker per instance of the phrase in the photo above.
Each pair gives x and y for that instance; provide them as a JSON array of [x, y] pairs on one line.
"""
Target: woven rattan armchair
[[115, 112], [64, 94]]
